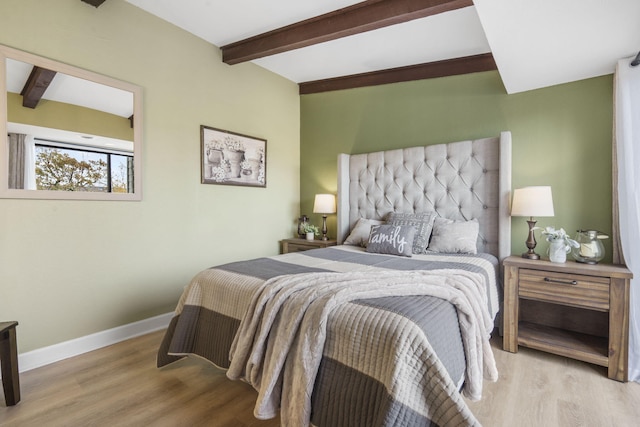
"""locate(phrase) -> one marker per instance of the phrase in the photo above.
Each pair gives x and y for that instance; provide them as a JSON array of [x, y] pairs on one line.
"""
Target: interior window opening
[[68, 167]]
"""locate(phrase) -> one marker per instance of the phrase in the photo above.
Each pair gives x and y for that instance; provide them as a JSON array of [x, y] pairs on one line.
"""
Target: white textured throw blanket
[[279, 345]]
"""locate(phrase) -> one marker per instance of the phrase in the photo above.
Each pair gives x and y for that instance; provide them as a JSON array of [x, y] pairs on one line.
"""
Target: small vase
[[558, 251], [215, 157], [310, 236], [255, 168], [234, 158]]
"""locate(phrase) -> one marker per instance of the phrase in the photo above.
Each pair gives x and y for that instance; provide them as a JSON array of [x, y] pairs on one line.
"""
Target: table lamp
[[532, 201], [324, 204]]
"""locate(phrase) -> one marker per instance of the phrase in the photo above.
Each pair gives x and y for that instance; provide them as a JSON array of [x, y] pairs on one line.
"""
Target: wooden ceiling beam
[[448, 67], [358, 18], [94, 3], [36, 85]]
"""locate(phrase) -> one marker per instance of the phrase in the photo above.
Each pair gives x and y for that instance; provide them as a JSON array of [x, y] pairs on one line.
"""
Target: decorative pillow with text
[[391, 240], [422, 222]]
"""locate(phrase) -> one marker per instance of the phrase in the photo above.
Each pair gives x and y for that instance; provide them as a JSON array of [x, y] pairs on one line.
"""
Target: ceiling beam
[[448, 67], [37, 83], [358, 18], [94, 3]]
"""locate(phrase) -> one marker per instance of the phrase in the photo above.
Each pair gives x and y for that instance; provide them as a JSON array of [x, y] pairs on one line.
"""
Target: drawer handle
[[564, 282]]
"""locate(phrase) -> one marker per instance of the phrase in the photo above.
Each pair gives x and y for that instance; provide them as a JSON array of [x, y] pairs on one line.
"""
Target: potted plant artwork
[[230, 158], [233, 152]]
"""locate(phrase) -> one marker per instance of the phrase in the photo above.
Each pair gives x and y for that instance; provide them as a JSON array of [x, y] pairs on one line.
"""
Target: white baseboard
[[54, 353]]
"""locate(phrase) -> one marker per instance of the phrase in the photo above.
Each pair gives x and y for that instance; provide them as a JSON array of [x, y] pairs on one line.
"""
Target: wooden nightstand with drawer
[[574, 310], [299, 245]]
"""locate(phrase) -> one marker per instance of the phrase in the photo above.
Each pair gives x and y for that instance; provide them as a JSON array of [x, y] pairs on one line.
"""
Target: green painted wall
[[72, 268], [561, 137], [59, 115]]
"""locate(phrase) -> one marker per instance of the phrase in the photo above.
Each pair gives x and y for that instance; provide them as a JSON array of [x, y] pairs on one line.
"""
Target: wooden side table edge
[[511, 308], [9, 363], [618, 367]]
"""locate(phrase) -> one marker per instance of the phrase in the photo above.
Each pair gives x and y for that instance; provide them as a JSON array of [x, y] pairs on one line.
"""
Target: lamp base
[[531, 241], [530, 255], [324, 228]]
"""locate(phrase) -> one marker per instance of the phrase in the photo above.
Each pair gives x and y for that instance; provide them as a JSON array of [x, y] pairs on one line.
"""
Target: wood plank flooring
[[120, 386]]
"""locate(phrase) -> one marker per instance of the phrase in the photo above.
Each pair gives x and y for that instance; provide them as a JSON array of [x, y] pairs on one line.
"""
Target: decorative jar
[[590, 249], [302, 223], [558, 251]]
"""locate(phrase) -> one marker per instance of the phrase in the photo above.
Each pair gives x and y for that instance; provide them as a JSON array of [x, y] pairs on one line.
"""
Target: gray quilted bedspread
[[370, 342]]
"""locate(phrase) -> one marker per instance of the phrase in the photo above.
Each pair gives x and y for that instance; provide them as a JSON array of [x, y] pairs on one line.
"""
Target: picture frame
[[230, 158]]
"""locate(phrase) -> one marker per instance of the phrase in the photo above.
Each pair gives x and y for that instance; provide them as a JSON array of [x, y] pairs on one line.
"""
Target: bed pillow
[[454, 237], [359, 236], [422, 222], [391, 239]]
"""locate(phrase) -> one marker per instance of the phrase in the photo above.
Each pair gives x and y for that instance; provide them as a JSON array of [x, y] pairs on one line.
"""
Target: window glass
[[65, 168]]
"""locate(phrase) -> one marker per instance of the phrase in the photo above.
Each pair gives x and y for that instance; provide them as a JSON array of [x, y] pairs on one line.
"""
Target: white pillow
[[454, 237], [360, 234]]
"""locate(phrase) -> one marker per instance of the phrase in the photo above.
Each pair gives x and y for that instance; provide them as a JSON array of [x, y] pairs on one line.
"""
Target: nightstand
[[574, 310], [298, 245]]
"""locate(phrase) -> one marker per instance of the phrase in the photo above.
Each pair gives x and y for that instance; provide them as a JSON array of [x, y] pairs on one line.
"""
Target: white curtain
[[29, 163], [15, 143], [22, 161], [627, 156]]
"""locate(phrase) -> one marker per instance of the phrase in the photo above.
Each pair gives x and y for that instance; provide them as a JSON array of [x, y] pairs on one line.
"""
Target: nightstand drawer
[[298, 248], [299, 245], [567, 289]]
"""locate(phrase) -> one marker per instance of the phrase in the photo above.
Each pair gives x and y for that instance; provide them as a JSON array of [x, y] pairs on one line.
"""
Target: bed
[[391, 334]]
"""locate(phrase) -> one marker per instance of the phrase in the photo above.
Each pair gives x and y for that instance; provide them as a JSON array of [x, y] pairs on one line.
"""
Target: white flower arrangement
[[218, 174], [261, 175], [232, 144], [553, 235], [213, 145], [228, 143]]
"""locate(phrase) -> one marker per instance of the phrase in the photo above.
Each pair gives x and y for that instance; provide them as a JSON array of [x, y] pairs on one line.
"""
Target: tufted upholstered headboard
[[460, 180]]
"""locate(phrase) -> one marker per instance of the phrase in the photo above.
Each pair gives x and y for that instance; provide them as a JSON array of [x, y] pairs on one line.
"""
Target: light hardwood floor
[[120, 386]]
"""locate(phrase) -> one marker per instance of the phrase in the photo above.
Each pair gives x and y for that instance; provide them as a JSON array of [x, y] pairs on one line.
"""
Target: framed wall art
[[230, 158]]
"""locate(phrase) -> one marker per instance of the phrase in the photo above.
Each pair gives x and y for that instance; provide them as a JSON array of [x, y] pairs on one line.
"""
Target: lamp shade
[[324, 204], [532, 201]]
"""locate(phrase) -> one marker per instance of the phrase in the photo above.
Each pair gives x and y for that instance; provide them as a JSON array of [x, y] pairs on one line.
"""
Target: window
[[65, 167]]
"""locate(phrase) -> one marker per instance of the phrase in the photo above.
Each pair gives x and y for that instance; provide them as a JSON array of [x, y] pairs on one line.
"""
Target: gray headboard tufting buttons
[[459, 180]]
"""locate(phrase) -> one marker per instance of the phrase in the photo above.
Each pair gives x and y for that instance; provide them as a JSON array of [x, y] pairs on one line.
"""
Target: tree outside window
[[66, 169]]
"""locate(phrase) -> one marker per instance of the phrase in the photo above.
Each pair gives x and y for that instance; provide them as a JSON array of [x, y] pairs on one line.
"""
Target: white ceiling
[[547, 42], [385, 48], [73, 90], [535, 43]]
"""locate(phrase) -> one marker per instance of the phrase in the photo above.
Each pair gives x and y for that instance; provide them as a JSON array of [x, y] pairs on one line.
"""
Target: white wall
[[72, 268]]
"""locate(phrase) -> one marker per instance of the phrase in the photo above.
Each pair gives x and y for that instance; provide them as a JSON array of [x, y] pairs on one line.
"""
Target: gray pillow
[[454, 237], [423, 222], [391, 239], [359, 236]]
